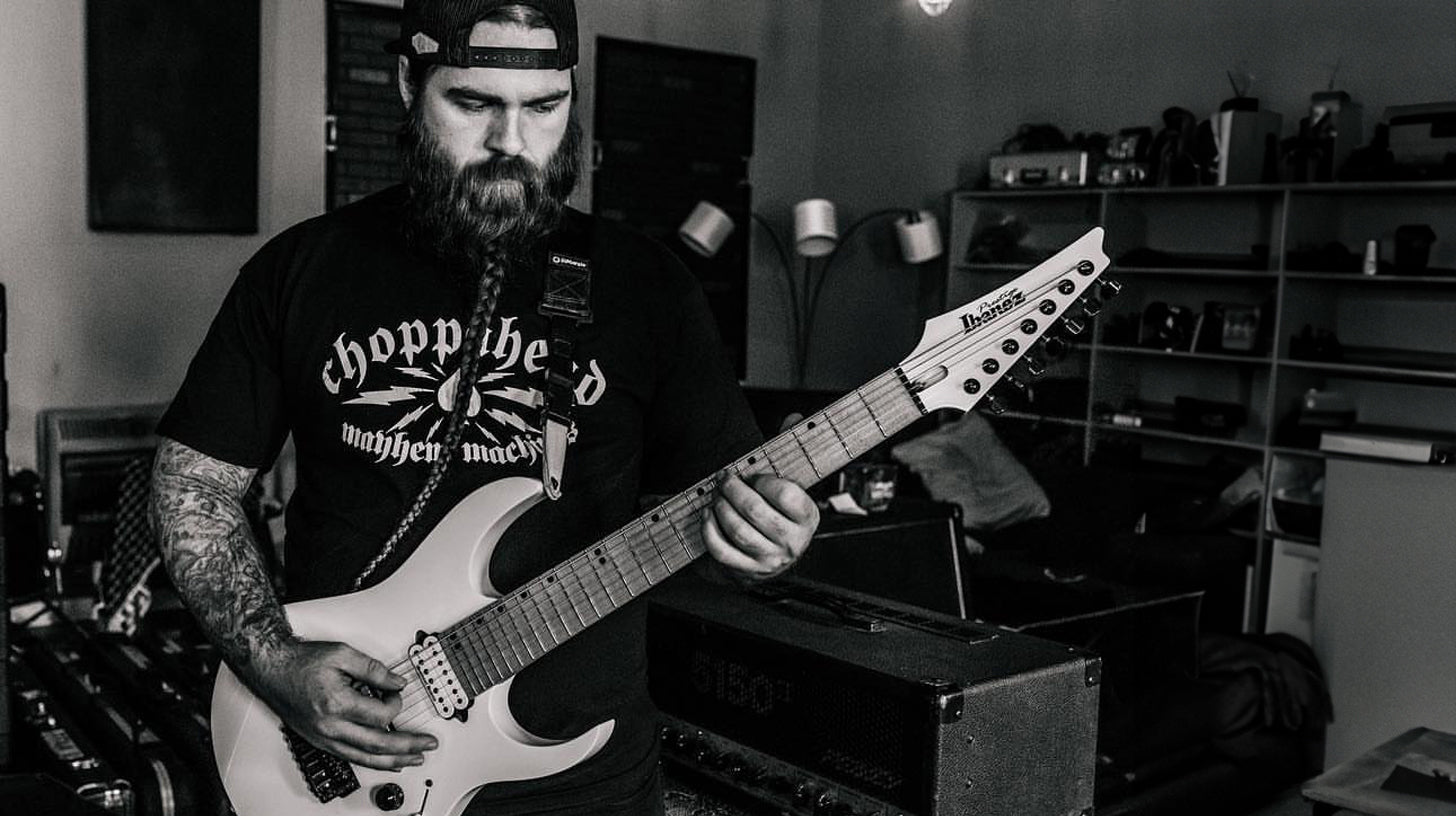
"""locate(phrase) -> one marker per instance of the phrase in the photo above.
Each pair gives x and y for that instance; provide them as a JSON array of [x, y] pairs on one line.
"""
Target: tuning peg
[[1092, 307], [1110, 289], [1035, 367], [1055, 348], [992, 405], [1016, 382], [1073, 325]]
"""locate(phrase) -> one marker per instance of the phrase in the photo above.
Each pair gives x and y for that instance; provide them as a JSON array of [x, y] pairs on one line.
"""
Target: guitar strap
[[566, 303]]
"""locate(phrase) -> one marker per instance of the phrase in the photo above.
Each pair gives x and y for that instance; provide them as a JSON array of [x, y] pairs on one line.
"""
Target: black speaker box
[[910, 553]]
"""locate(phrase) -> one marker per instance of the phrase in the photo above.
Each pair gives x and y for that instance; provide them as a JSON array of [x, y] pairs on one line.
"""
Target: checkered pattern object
[[132, 553]]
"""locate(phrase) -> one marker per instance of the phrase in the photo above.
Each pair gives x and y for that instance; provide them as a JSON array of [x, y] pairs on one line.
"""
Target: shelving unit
[[1268, 248]]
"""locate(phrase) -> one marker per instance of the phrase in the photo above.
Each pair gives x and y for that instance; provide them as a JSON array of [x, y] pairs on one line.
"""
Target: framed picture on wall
[[172, 115]]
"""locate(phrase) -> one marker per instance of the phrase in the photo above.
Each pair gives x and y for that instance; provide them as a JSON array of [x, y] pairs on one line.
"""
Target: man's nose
[[505, 134]]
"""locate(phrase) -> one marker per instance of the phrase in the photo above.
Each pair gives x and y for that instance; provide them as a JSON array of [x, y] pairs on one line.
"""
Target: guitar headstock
[[967, 350]]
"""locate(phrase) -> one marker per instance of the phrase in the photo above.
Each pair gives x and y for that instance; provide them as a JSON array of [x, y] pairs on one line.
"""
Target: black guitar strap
[[566, 303]]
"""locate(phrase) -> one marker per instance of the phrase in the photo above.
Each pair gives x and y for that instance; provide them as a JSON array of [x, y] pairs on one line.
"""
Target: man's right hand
[[315, 688]]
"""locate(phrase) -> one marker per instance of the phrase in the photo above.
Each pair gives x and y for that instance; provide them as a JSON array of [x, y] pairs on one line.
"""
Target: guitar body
[[445, 580]]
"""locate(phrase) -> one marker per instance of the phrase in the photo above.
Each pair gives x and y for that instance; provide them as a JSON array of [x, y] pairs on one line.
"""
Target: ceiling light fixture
[[935, 8]]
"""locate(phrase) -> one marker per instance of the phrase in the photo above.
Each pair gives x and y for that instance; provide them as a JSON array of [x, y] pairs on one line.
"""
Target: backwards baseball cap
[[438, 31]]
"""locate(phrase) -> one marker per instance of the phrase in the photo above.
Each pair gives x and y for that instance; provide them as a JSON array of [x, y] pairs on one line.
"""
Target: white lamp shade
[[705, 229], [815, 229], [919, 239]]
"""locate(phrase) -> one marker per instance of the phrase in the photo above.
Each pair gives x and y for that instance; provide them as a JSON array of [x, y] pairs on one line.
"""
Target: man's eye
[[545, 108]]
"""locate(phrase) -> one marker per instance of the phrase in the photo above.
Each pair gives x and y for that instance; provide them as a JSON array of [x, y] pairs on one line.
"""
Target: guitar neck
[[505, 637]]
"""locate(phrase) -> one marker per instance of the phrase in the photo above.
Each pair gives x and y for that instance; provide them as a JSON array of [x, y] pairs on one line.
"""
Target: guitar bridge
[[447, 692], [328, 777]]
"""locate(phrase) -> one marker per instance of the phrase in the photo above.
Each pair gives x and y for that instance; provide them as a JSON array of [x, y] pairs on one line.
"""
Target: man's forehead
[[487, 34]]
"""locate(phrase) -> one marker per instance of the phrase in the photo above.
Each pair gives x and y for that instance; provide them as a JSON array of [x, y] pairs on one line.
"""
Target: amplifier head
[[874, 704]]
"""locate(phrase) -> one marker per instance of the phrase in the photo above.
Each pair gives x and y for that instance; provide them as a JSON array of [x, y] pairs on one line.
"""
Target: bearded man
[[405, 342]]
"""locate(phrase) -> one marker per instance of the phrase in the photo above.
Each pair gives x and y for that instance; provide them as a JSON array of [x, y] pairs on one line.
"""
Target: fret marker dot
[[752, 460], [811, 426]]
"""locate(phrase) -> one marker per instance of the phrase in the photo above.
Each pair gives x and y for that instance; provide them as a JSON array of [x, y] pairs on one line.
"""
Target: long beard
[[507, 200]]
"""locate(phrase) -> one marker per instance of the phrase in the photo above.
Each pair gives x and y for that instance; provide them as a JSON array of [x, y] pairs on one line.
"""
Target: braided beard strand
[[471, 222]]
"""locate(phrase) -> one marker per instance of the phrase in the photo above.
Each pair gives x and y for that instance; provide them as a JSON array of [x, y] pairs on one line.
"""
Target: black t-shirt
[[338, 333]]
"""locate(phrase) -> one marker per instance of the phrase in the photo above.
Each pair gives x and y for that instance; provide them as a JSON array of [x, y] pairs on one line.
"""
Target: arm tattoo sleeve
[[209, 550]]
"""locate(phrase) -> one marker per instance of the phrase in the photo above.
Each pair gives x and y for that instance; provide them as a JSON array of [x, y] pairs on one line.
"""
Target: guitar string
[[690, 510]]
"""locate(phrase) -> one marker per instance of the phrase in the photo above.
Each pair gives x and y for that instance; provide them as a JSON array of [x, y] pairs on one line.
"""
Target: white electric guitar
[[439, 622]]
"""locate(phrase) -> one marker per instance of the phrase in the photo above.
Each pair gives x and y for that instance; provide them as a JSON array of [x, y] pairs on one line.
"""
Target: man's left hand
[[758, 529]]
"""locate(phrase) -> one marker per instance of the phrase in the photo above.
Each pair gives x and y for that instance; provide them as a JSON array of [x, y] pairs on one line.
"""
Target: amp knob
[[389, 796]]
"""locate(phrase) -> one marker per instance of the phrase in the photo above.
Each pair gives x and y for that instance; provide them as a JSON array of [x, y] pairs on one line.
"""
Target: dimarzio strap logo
[[569, 262], [984, 313]]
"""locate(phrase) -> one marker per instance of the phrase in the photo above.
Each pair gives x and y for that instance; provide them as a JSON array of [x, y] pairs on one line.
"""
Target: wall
[[867, 102], [107, 318], [911, 106]]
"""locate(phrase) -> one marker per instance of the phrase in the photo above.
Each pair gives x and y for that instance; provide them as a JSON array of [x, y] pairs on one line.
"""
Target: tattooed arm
[[209, 550]]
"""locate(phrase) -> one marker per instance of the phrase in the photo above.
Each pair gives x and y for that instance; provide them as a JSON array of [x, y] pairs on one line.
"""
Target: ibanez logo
[[986, 312]]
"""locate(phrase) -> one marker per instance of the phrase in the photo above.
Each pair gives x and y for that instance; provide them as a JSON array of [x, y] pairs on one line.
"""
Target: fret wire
[[632, 541], [592, 573], [808, 457], [556, 610], [458, 658], [616, 552], [657, 551], [829, 420], [604, 556], [576, 571], [612, 551], [522, 616], [545, 620], [500, 635], [562, 596], [469, 670], [494, 670], [871, 412]]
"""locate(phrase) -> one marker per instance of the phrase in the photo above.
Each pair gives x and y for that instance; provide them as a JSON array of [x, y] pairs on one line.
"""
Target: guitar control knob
[[389, 796], [805, 794]]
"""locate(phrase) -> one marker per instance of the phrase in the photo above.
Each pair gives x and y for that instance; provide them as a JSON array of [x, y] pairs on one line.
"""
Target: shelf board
[[992, 268], [1027, 416], [1373, 371], [1266, 275], [1137, 351], [1181, 436], [1342, 187], [1374, 280], [1055, 192], [1308, 453]]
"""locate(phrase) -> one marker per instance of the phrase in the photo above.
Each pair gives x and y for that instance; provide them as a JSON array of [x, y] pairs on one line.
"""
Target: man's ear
[[406, 92]]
